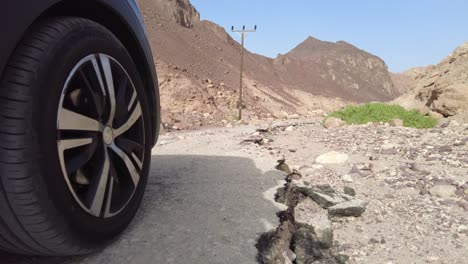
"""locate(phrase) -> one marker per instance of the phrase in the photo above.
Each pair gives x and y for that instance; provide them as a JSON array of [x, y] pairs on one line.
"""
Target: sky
[[404, 33]]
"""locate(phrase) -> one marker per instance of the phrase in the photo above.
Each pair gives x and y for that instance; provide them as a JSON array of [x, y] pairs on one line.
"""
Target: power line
[[243, 31]]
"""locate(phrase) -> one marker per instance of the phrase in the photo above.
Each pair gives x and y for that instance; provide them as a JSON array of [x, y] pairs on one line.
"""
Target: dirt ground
[[211, 194], [414, 181]]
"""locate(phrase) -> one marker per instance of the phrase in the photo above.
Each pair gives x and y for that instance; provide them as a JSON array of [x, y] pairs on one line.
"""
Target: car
[[79, 115]]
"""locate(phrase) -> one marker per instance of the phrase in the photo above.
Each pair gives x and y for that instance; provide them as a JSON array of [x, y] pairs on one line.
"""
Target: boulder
[[333, 122], [350, 208], [442, 89]]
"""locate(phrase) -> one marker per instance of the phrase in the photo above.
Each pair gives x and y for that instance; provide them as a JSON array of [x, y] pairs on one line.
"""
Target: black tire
[[38, 213]]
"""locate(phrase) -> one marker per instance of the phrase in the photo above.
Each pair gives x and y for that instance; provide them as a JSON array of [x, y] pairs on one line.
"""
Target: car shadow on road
[[197, 209]]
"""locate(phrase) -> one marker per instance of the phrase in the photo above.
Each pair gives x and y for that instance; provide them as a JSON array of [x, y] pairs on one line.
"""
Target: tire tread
[[25, 227]]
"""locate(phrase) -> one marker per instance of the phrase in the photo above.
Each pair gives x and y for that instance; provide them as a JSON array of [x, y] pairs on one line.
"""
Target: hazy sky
[[404, 33]]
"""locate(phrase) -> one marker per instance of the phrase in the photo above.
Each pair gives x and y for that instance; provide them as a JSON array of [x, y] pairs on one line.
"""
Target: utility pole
[[243, 31]]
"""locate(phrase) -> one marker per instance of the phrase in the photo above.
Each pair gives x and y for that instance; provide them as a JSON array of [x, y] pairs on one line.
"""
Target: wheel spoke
[[136, 114], [100, 186], [128, 163], [132, 100], [98, 74], [110, 86], [65, 144], [69, 120]]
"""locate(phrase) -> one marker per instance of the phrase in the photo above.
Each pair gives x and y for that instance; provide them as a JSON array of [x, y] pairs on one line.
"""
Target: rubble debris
[[313, 219], [350, 208], [306, 228], [282, 166]]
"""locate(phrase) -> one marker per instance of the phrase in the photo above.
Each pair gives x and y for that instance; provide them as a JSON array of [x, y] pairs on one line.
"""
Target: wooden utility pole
[[243, 31]]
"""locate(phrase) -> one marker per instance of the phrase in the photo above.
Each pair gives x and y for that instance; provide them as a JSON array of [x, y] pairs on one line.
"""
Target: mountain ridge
[[198, 66]]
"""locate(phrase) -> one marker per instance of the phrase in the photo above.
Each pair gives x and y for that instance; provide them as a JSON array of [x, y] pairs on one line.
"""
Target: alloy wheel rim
[[100, 135]]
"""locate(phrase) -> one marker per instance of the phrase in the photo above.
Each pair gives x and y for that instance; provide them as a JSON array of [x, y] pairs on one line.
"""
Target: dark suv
[[79, 114]]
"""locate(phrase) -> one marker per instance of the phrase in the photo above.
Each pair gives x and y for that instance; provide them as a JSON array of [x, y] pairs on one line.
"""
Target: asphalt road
[[207, 201]]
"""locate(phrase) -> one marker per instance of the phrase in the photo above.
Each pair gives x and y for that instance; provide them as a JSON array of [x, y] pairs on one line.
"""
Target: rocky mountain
[[181, 12], [442, 88], [198, 66], [403, 82], [340, 69]]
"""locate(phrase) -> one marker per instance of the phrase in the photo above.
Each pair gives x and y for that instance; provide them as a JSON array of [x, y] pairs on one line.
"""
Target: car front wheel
[[75, 140]]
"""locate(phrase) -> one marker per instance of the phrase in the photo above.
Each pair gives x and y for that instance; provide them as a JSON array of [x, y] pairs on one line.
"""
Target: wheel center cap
[[108, 135]]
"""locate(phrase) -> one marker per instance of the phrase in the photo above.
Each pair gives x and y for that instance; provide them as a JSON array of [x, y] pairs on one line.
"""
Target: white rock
[[289, 128], [443, 191], [347, 178], [432, 259], [332, 157], [462, 229], [388, 146]]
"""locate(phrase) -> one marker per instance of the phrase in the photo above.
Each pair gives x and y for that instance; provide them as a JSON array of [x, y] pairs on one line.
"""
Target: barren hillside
[[339, 70], [442, 88], [198, 67]]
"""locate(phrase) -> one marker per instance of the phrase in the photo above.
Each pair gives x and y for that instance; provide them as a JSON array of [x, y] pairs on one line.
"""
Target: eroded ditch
[[305, 233]]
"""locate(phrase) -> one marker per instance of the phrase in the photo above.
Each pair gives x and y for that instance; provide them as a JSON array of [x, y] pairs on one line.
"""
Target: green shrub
[[378, 112]]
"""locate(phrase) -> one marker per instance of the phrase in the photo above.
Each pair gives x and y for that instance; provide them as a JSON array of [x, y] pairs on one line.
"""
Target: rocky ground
[[412, 184], [356, 194]]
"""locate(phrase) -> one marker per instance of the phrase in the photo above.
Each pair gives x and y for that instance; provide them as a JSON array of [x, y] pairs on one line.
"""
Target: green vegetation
[[378, 112]]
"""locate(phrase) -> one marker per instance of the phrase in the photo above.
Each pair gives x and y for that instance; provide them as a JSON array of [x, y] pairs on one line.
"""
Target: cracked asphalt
[[207, 201]]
